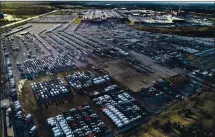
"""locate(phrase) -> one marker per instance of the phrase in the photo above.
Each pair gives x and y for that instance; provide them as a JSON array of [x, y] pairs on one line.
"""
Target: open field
[[130, 78], [77, 20]]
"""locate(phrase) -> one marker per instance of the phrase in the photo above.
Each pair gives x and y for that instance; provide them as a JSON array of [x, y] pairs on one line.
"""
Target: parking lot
[[57, 96], [114, 104], [24, 123], [161, 48], [123, 75], [79, 121]]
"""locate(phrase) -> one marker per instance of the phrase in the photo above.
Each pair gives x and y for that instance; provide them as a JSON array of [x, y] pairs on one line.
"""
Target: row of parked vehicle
[[74, 39], [60, 38], [78, 122], [204, 74], [58, 46], [83, 79], [34, 68], [41, 42], [10, 77], [78, 54], [11, 47], [8, 45], [48, 64], [61, 63], [82, 39], [119, 106], [23, 123], [88, 40], [49, 90]]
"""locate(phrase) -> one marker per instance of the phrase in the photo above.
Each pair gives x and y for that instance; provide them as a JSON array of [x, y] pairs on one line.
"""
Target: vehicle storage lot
[[56, 62], [79, 121], [32, 44], [59, 105], [161, 48]]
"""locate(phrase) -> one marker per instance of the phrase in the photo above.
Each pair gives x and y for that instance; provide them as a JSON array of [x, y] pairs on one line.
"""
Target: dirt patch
[[128, 76]]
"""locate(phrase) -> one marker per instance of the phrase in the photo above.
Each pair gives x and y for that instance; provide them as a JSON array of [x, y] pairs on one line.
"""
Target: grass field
[[22, 10], [77, 20], [152, 132], [131, 22]]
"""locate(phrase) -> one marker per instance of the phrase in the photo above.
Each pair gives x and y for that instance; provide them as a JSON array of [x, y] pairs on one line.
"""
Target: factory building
[[99, 16]]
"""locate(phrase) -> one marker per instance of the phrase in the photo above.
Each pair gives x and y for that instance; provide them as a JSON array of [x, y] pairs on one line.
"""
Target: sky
[[190, 1]]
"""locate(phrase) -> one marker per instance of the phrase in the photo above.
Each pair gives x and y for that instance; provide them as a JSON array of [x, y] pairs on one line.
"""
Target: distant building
[[101, 16], [180, 14]]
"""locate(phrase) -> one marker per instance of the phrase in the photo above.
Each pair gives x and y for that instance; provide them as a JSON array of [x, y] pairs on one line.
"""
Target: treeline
[[27, 11], [206, 32]]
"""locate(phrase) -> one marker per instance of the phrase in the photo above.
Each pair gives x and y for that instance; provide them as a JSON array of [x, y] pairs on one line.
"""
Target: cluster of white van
[[117, 117], [113, 107], [101, 79], [60, 126], [188, 49], [110, 87]]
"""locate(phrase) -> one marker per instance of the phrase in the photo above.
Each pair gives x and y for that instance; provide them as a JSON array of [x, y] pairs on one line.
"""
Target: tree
[[208, 108], [167, 126], [156, 123]]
